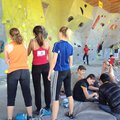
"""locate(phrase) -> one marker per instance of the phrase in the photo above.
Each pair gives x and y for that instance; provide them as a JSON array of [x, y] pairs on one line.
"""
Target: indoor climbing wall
[[23, 15], [53, 18], [90, 26], [3, 66], [102, 27]]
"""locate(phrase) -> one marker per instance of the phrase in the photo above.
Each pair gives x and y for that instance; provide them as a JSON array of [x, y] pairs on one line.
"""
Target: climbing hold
[[81, 10], [81, 24], [70, 18], [96, 21], [102, 24], [85, 5]]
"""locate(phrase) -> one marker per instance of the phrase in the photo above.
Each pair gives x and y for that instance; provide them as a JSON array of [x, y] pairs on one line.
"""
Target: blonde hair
[[65, 31]]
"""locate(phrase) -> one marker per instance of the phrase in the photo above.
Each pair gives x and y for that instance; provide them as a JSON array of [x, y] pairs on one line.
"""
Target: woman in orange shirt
[[16, 58]]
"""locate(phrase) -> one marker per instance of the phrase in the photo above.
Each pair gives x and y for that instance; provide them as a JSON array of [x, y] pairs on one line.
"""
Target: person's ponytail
[[40, 34], [40, 39], [15, 33]]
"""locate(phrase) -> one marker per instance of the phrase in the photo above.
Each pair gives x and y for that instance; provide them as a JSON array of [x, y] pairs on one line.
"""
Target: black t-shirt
[[78, 93]]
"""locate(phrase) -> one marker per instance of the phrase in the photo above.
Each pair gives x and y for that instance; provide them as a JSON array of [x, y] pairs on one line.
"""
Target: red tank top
[[40, 56]]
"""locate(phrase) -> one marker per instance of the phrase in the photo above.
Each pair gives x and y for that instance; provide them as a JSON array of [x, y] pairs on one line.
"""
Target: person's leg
[[12, 81], [25, 86], [87, 59], [67, 86], [84, 58], [36, 77], [55, 109], [117, 116], [47, 90], [106, 108], [56, 86]]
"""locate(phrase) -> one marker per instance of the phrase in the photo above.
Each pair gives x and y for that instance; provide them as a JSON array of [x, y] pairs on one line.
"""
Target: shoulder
[[57, 44], [32, 41], [46, 42], [84, 83], [9, 47], [70, 44]]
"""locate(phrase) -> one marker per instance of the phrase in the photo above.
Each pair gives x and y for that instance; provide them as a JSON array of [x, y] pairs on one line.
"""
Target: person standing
[[40, 66], [61, 63], [86, 50], [16, 58]]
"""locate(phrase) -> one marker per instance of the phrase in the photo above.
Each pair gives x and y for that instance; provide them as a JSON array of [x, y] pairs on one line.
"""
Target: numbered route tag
[[41, 53]]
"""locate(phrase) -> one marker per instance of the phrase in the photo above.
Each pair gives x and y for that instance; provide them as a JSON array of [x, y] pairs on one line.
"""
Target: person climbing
[[86, 54]]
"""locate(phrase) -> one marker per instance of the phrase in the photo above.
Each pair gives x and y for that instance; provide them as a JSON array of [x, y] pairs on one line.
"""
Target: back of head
[[92, 76], [81, 67], [40, 34], [104, 77], [66, 32], [16, 36], [111, 56]]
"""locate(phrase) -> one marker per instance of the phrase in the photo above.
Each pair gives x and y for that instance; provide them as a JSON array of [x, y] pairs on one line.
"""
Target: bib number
[[40, 53]]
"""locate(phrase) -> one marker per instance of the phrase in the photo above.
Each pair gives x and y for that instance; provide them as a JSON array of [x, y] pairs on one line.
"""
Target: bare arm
[[52, 64], [70, 61], [93, 88], [87, 95], [6, 55], [111, 72], [30, 47], [49, 54]]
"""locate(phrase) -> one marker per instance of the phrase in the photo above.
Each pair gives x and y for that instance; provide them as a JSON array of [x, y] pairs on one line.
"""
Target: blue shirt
[[64, 50]]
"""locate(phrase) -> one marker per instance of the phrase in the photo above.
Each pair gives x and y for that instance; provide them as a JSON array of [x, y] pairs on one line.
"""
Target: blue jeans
[[106, 108]]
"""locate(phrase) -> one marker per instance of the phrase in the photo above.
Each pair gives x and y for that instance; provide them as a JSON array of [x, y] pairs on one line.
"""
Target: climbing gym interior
[[95, 23]]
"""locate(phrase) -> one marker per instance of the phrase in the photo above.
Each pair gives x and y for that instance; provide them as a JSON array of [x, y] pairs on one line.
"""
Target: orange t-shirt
[[17, 58]]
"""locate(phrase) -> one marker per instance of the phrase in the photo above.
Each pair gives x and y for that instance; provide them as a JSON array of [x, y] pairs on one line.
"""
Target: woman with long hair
[[16, 58], [40, 66]]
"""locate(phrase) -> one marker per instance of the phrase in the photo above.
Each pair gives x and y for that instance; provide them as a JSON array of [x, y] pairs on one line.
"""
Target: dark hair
[[111, 55], [92, 76], [63, 30], [81, 67], [15, 33], [39, 34], [104, 77]]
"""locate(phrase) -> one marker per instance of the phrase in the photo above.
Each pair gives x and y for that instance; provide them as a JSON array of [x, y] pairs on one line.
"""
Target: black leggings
[[37, 70], [23, 76], [58, 78], [85, 55]]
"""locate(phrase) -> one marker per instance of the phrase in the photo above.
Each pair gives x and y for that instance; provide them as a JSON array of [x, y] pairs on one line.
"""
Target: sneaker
[[21, 116], [45, 112], [65, 103], [32, 118], [36, 112], [69, 115]]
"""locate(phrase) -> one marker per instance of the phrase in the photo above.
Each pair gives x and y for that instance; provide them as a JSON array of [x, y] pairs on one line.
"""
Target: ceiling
[[112, 6]]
